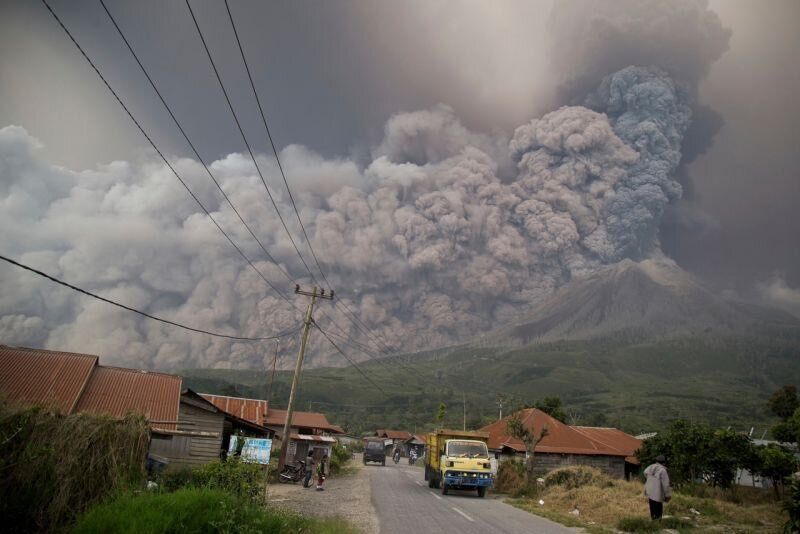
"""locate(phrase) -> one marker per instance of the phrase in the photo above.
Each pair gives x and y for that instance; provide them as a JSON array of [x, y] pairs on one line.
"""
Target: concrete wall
[[613, 466]]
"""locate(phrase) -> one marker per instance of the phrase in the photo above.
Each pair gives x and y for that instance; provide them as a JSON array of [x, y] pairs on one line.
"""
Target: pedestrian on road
[[657, 488], [320, 472], [309, 469]]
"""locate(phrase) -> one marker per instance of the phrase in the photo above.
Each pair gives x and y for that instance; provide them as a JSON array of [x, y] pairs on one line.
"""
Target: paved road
[[404, 503]]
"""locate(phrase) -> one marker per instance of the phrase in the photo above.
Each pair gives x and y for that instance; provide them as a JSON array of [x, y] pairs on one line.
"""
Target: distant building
[[608, 449], [309, 431], [394, 438]]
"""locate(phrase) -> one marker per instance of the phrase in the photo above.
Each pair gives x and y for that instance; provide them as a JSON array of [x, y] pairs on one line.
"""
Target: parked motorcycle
[[293, 472]]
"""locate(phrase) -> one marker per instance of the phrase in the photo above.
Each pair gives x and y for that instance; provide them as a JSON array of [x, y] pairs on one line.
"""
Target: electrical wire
[[189, 142], [161, 154], [244, 138], [140, 312]]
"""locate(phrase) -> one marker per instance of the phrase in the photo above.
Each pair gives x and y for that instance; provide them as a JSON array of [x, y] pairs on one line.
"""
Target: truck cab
[[458, 460]]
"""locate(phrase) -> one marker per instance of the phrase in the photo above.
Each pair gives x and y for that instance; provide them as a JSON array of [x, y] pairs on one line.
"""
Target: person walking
[[321, 472], [309, 469], [657, 488]]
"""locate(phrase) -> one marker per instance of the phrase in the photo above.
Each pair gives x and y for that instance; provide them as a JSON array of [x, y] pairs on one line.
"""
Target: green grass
[[196, 511], [636, 387]]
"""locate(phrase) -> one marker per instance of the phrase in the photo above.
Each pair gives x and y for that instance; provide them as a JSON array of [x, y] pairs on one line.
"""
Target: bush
[[195, 510], [792, 506], [575, 477], [242, 479], [638, 524], [54, 466], [510, 477], [339, 457]]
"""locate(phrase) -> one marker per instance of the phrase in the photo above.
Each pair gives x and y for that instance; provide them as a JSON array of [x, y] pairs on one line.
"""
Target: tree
[[516, 428], [777, 463], [552, 407], [784, 402], [442, 411], [727, 452]]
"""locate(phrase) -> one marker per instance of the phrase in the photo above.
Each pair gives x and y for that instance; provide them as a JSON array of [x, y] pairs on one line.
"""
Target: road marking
[[468, 518], [418, 482], [432, 493]]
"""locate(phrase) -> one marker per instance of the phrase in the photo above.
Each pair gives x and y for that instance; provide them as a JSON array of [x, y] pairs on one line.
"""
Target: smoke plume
[[446, 233]]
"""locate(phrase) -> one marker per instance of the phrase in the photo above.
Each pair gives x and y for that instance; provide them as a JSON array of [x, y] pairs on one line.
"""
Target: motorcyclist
[[412, 456], [396, 454]]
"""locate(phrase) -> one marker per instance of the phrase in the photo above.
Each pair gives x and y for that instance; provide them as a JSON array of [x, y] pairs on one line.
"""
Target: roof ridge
[[232, 397], [62, 352], [138, 371]]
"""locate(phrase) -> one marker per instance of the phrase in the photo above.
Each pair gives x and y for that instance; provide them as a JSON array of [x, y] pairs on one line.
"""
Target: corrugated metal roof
[[393, 434], [613, 438], [116, 391], [49, 378], [302, 420], [253, 410]]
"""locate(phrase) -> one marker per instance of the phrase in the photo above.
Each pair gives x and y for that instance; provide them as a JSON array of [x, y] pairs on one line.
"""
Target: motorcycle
[[412, 457], [293, 472], [396, 457]]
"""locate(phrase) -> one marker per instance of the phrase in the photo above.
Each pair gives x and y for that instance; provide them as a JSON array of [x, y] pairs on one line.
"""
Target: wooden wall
[[190, 450]]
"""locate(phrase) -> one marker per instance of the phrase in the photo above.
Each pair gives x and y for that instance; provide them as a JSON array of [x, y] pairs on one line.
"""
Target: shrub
[[242, 479], [575, 477], [54, 466], [792, 506], [638, 524], [339, 457], [510, 477], [194, 510]]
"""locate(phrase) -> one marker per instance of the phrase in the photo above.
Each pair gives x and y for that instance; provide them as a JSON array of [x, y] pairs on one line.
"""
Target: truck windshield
[[467, 449], [375, 445]]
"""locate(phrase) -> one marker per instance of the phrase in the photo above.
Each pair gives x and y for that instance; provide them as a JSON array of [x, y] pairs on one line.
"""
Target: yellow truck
[[458, 460]]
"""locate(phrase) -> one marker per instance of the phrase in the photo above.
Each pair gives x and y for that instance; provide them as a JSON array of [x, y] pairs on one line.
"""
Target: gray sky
[[330, 75]]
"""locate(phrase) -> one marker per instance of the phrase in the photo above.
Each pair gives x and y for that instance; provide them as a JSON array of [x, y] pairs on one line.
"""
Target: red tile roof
[[613, 438], [48, 378], [316, 420], [393, 434], [561, 438], [252, 410], [116, 391]]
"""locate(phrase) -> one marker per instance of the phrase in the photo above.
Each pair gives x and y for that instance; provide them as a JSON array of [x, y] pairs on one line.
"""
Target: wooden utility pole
[[314, 294], [272, 377], [464, 398]]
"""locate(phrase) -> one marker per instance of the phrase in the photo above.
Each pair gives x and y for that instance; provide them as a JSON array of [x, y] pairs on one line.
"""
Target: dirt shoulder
[[347, 496]]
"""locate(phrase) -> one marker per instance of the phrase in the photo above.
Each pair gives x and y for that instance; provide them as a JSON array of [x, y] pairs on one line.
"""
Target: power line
[[354, 364], [158, 151], [134, 310], [191, 145], [272, 143], [244, 138]]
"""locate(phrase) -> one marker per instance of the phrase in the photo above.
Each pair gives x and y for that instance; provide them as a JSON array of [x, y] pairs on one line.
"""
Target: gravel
[[346, 496]]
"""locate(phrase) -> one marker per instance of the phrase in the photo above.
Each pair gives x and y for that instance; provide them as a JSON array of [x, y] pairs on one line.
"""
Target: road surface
[[404, 503]]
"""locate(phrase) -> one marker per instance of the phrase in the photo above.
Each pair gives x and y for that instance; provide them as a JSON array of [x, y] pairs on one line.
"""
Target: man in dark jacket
[[656, 487]]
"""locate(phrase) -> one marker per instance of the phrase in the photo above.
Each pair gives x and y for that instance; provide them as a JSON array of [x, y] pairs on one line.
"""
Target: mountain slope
[[638, 301]]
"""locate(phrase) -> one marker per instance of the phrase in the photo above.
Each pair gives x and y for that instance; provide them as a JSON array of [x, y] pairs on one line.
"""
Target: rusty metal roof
[[48, 378], [394, 434], [116, 391], [253, 410], [302, 420]]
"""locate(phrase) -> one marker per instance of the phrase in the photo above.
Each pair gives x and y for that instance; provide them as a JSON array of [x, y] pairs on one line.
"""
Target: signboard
[[254, 450], [257, 450]]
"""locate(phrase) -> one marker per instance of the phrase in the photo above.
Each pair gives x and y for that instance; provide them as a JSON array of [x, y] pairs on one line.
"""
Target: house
[[608, 449], [309, 431], [394, 438], [185, 429], [203, 434]]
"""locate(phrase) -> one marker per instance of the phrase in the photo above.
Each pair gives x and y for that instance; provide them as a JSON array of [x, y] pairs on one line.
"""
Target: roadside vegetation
[[197, 510], [54, 467], [605, 504]]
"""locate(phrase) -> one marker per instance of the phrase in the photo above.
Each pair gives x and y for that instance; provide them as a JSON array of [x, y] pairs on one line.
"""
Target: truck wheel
[[481, 491], [445, 488], [431, 483]]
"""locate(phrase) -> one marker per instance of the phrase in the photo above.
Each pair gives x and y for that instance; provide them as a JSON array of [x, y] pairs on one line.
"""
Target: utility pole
[[314, 294], [272, 378], [464, 399]]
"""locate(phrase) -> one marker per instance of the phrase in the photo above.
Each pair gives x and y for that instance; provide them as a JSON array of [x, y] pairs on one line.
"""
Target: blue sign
[[256, 450]]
